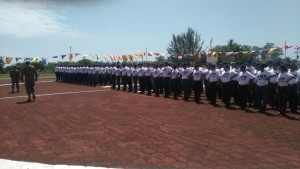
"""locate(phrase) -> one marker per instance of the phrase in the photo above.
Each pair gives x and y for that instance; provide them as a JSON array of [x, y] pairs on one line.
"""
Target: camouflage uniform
[[15, 76], [30, 76]]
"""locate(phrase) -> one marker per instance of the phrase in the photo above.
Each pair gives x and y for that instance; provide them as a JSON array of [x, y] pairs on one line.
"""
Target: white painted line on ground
[[9, 164], [52, 94], [9, 84]]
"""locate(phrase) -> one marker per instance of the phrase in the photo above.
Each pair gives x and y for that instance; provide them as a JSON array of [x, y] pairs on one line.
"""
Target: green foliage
[[1, 66], [185, 43], [85, 62]]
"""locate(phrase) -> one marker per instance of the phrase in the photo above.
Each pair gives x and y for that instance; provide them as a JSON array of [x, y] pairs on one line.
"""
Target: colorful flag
[[70, 56], [8, 60], [1, 59], [199, 55], [28, 59], [112, 58], [130, 57], [44, 60], [105, 57], [77, 54], [141, 55], [54, 56], [180, 55], [17, 59], [63, 56], [286, 47], [35, 59], [125, 58]]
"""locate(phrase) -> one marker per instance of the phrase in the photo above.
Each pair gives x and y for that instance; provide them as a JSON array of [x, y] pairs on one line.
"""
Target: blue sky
[[45, 28]]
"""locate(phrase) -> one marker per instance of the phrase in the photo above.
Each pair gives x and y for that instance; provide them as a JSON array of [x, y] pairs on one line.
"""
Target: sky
[[46, 28]]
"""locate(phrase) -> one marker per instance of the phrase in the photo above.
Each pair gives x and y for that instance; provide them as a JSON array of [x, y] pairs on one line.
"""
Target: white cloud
[[25, 19]]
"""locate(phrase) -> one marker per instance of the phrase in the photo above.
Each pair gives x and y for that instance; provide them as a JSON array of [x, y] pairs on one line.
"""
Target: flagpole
[[285, 47], [146, 54]]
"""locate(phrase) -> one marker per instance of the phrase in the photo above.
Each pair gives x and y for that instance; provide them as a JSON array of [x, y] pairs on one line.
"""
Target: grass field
[[40, 74], [96, 126]]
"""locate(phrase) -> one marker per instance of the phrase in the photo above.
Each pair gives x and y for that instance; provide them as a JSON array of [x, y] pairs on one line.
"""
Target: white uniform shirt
[[166, 71], [141, 72], [225, 76], [156, 72], [129, 71], [135, 71], [175, 74], [275, 74], [118, 72], [197, 75], [282, 78], [244, 78], [294, 80], [213, 76], [124, 71], [148, 72], [186, 73], [237, 71], [113, 70], [262, 78]]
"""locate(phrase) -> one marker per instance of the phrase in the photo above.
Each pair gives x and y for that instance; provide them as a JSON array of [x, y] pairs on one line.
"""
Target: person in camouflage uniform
[[15, 77], [30, 74]]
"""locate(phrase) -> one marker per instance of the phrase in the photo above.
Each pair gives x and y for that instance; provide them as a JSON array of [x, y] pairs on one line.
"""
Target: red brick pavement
[[117, 129]]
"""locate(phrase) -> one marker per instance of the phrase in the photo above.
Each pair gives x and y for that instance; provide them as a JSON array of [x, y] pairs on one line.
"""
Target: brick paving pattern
[[119, 129]]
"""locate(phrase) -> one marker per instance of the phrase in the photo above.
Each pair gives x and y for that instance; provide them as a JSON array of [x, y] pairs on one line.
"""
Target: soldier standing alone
[[15, 76], [30, 74]]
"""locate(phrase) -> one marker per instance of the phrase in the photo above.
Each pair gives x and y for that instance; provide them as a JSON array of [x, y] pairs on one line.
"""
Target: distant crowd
[[243, 84]]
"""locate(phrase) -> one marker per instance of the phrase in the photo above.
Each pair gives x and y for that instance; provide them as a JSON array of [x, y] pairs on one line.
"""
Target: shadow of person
[[291, 118], [269, 114], [25, 102], [249, 111]]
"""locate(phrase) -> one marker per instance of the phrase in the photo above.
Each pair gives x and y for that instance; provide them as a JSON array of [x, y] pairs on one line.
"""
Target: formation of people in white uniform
[[243, 84]]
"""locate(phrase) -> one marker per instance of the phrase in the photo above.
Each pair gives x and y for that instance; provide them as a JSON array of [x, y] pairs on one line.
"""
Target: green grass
[[4, 76], [40, 74]]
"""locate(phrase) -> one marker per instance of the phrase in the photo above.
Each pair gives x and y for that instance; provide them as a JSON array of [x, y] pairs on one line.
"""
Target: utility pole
[[285, 47], [146, 54]]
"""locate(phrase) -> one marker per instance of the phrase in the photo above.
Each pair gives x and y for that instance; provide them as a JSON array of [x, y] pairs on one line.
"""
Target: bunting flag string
[[136, 56]]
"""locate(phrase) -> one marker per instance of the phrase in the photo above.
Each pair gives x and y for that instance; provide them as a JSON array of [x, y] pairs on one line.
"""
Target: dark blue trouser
[[186, 88], [261, 97]]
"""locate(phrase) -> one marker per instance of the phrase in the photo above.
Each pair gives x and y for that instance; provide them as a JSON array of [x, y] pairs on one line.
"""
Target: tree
[[274, 55], [186, 43], [233, 46], [85, 62], [1, 65]]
